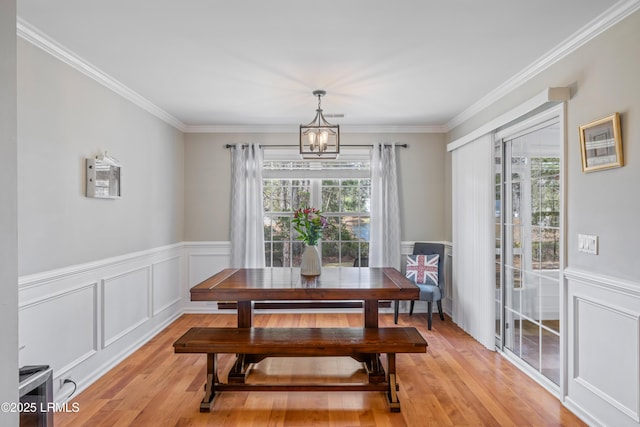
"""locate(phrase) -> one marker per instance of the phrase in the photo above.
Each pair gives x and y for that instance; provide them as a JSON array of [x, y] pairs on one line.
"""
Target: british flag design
[[423, 269]]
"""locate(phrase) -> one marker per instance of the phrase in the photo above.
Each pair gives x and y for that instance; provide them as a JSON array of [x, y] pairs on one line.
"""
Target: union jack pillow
[[423, 269]]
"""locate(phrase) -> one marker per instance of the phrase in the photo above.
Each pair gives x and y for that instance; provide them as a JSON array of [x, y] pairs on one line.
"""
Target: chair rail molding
[[47, 277], [603, 281]]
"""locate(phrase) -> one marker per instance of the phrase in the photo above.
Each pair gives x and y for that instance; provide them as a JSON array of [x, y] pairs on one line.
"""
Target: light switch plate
[[588, 243]]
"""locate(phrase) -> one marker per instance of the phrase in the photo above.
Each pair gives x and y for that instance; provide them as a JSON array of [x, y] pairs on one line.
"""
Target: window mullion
[[315, 198], [316, 193]]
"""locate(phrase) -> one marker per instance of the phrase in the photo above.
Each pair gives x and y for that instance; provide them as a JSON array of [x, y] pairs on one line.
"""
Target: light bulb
[[324, 138], [312, 140]]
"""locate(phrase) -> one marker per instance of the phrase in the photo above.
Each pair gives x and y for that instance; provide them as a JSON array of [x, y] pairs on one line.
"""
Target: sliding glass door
[[528, 245]]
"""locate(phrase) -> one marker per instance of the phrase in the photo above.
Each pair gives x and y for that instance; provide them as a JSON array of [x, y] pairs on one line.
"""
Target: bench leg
[[392, 395], [209, 387]]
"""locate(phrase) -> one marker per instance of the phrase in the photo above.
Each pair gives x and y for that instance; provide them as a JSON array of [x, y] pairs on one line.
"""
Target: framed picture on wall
[[601, 144]]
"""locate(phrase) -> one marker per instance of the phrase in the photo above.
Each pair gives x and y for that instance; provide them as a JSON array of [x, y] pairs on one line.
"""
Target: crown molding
[[29, 33], [594, 28], [294, 129], [393, 129], [34, 36], [597, 26], [241, 129]]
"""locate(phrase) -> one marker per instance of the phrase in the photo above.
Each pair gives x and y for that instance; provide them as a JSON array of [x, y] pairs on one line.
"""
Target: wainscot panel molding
[[125, 303], [603, 348], [203, 259], [84, 319], [165, 281], [64, 320]]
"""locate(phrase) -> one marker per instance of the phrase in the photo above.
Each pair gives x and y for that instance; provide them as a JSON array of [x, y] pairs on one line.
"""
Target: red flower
[[309, 223]]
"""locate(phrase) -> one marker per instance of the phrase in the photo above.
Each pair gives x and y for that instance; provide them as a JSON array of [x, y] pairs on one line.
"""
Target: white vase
[[310, 263]]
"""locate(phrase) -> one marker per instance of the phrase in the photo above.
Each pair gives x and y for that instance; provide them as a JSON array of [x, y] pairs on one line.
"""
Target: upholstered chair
[[431, 291]]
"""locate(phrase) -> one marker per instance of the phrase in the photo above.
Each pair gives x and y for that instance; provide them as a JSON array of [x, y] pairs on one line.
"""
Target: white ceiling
[[225, 64]]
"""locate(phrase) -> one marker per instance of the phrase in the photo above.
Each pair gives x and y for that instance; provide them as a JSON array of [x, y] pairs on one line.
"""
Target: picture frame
[[601, 144]]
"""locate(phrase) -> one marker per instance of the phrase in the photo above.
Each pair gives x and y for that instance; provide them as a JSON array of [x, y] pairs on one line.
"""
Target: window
[[346, 204], [341, 190]]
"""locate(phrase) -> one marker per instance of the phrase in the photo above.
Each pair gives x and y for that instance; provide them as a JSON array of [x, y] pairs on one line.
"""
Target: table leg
[[238, 372], [374, 368], [375, 371], [245, 314], [370, 313]]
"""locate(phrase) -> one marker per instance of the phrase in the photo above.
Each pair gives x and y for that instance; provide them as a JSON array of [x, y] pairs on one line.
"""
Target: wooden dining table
[[248, 285]]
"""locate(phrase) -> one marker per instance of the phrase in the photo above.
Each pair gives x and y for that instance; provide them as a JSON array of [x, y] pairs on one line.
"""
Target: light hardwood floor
[[456, 383]]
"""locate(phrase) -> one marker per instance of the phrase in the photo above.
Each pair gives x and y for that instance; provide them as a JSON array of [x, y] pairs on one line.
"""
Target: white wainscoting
[[125, 303], [85, 319], [166, 284], [603, 348], [203, 260], [60, 329]]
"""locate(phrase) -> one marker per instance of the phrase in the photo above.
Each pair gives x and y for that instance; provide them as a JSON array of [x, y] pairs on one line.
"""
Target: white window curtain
[[247, 216], [474, 240], [384, 249]]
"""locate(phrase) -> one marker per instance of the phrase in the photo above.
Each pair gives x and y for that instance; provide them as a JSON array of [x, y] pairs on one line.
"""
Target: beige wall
[[8, 214], [422, 180], [603, 77], [76, 117], [64, 117]]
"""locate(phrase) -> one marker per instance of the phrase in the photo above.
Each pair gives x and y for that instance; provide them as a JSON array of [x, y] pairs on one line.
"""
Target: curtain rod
[[296, 145]]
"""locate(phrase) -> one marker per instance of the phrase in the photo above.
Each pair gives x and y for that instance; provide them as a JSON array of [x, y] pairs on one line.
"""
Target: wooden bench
[[255, 344]]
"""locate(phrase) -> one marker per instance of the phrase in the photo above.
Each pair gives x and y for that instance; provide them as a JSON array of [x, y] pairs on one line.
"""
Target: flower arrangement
[[309, 223]]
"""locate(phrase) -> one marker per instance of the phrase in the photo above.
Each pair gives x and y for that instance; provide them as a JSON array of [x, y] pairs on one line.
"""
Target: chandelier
[[319, 138]]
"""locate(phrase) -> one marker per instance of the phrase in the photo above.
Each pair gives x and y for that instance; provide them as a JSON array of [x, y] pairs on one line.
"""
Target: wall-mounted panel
[[59, 330], [203, 266], [166, 284], [603, 348], [70, 316], [606, 353], [125, 303]]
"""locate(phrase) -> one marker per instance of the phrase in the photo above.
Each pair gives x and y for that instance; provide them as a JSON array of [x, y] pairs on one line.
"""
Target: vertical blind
[[474, 240]]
